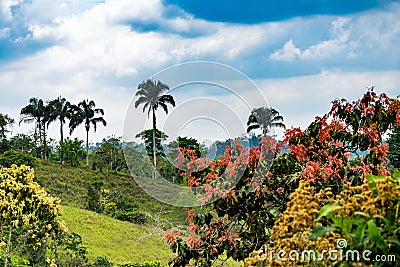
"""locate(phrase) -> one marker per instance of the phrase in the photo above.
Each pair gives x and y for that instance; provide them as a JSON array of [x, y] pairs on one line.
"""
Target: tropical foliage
[[60, 109], [37, 111], [85, 112], [240, 221], [151, 96], [394, 147], [264, 118]]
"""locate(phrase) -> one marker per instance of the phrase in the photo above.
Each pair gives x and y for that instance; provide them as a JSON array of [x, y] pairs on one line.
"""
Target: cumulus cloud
[[289, 52], [4, 33], [103, 51], [324, 49]]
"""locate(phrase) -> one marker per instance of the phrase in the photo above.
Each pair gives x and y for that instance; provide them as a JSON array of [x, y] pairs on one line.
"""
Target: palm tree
[[60, 109], [264, 118], [85, 112], [36, 111], [150, 94]]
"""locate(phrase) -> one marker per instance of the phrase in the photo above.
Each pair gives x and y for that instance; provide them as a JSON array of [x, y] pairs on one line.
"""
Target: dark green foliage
[[73, 152], [147, 136], [85, 112], [131, 216], [144, 264], [123, 208], [264, 118], [94, 194], [5, 122], [18, 158], [150, 95], [37, 111], [394, 147], [103, 261], [68, 250], [167, 170], [109, 155], [60, 109], [23, 143]]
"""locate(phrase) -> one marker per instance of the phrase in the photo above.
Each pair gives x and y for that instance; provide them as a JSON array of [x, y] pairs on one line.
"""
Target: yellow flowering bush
[[28, 214]]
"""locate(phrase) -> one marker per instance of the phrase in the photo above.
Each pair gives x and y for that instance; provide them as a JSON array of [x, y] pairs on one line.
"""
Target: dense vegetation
[[305, 192]]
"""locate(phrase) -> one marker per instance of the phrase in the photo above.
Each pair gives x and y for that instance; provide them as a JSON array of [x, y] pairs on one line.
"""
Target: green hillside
[[71, 183], [121, 242]]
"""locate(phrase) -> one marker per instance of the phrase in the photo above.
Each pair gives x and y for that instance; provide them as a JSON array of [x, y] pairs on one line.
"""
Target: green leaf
[[321, 231], [327, 211], [359, 233], [344, 223], [362, 214], [373, 231], [396, 175]]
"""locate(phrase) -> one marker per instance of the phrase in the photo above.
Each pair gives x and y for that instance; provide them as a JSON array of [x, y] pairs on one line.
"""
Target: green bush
[[131, 216], [18, 158], [94, 196], [110, 209], [103, 261], [14, 261], [144, 264]]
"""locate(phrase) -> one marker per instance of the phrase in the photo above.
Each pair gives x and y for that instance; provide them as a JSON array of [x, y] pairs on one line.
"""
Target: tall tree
[[394, 147], [85, 113], [60, 109], [147, 137], [264, 118], [5, 121], [36, 111], [151, 95]]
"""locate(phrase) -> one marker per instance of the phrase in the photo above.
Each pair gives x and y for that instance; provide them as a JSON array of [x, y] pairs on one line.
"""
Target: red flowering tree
[[251, 186]]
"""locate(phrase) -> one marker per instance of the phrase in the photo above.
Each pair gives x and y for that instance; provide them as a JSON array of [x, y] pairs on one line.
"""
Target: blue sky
[[301, 54]]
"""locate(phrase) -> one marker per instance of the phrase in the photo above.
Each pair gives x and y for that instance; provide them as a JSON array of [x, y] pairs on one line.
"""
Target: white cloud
[[98, 53], [289, 52], [325, 49], [5, 9], [300, 99], [4, 33]]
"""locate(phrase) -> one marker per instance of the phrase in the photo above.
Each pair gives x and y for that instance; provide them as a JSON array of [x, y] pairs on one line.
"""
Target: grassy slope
[[70, 184], [122, 242], [102, 235]]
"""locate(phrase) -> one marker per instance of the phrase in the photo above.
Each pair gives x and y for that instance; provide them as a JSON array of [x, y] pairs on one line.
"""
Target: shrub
[[144, 264], [131, 216], [28, 215], [18, 158], [103, 261], [363, 217], [15, 261]]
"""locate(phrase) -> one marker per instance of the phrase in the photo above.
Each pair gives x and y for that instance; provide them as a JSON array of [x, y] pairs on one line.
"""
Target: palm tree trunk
[[87, 147], [154, 144], [44, 141], [40, 138], [61, 143]]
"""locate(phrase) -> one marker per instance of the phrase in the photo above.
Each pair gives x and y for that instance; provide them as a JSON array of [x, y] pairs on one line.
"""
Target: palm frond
[[252, 127], [168, 99]]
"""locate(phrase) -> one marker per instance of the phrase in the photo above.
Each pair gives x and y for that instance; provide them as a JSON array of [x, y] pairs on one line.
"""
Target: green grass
[[121, 242], [70, 184]]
